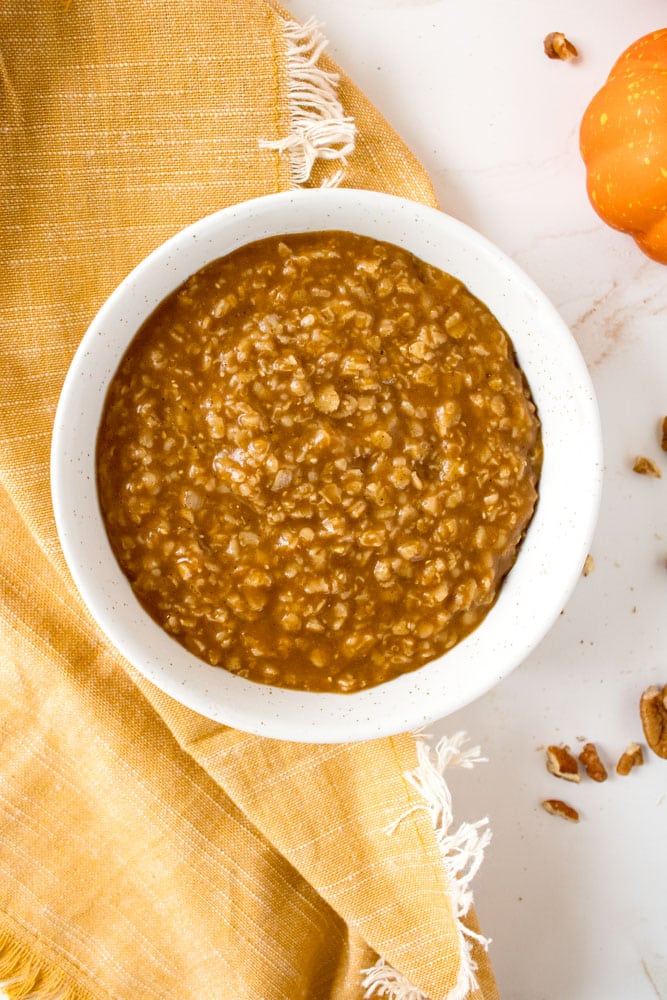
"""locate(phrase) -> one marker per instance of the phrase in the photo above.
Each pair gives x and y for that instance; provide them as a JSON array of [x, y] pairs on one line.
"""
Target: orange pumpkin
[[623, 141]]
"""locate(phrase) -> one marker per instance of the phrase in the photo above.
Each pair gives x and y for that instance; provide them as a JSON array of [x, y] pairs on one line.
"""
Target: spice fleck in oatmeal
[[317, 460]]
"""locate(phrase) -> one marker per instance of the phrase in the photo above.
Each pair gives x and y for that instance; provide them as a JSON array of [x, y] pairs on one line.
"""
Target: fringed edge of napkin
[[319, 128], [462, 853], [24, 977]]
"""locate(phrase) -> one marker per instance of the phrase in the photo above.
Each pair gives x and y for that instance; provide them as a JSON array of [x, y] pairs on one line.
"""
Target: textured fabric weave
[[146, 852]]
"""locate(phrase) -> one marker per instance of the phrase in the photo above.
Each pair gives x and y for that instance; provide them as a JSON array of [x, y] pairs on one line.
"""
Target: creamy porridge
[[317, 460]]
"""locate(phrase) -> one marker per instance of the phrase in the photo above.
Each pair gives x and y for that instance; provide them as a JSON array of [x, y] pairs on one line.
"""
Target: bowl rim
[[436, 689]]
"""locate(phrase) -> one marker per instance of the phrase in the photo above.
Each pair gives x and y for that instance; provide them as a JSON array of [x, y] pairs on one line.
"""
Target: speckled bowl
[[551, 556]]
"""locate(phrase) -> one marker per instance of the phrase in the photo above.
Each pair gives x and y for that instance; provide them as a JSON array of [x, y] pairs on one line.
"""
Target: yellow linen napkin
[[146, 852]]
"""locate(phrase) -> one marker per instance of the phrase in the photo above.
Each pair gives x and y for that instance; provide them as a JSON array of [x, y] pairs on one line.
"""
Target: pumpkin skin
[[623, 141]]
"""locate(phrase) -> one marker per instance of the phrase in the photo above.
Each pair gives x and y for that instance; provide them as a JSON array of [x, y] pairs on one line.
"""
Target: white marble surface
[[575, 912]]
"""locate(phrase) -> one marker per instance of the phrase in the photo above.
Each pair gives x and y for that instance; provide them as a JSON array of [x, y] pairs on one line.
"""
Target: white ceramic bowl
[[550, 558]]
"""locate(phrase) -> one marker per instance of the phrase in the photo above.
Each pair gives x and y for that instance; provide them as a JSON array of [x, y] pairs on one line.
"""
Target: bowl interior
[[550, 558]]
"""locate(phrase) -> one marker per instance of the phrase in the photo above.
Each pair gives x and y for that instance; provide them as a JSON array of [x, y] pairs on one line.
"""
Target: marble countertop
[[576, 912]]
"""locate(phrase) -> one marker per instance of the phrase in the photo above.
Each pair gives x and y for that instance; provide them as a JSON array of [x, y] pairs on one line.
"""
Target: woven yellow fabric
[[146, 852]]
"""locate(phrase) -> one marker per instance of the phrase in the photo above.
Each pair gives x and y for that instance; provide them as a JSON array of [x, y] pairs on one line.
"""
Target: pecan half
[[646, 467], [593, 766], [562, 764], [557, 46], [631, 757], [653, 713], [556, 807]]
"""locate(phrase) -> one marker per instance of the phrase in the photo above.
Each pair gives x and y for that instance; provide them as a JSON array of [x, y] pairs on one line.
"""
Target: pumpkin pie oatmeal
[[317, 460]]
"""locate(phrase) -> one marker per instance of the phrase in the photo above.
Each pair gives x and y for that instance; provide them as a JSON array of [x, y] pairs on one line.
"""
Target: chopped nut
[[663, 437], [589, 565], [562, 764], [593, 766], [653, 713], [556, 807], [646, 467], [557, 46], [631, 757]]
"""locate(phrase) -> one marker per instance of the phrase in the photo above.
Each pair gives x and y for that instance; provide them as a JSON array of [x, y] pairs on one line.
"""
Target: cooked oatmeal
[[317, 460]]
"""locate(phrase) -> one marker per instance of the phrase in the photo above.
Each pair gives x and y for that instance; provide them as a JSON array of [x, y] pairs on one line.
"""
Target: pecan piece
[[557, 46], [631, 757], [646, 467], [562, 764], [593, 766], [653, 713], [663, 438], [556, 807]]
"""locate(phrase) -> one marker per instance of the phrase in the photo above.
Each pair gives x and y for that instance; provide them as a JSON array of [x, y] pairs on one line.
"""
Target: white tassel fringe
[[383, 981], [462, 853], [319, 129]]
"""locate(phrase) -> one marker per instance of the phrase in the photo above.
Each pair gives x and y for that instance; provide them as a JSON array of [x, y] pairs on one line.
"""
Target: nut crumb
[[557, 46], [631, 757], [592, 764], [562, 764], [653, 713], [646, 467], [663, 438], [556, 807], [589, 565]]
